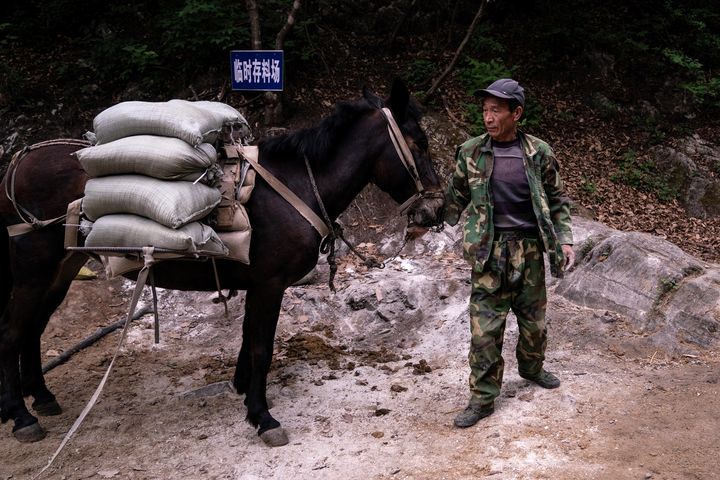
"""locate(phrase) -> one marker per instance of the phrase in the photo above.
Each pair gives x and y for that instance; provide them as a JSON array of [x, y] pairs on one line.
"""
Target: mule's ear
[[399, 100], [372, 99]]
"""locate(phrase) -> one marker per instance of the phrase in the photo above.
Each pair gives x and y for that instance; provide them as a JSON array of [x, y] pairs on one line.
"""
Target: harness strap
[[250, 153], [30, 221], [140, 283]]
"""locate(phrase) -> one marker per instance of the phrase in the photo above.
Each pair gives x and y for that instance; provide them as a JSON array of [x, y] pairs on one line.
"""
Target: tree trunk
[[272, 100], [255, 37]]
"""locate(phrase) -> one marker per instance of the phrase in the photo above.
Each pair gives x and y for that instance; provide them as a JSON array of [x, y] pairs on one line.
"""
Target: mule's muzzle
[[425, 213]]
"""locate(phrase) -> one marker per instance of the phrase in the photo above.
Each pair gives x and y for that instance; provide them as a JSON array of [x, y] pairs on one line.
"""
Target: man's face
[[500, 122]]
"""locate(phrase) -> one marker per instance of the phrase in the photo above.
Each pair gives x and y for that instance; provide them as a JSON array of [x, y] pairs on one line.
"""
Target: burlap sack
[[124, 230], [172, 204], [179, 119], [165, 158]]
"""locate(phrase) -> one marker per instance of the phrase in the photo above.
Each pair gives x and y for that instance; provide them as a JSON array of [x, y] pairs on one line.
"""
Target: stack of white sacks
[[154, 173]]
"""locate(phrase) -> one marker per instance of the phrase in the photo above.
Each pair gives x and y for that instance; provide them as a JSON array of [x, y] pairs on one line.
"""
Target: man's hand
[[569, 256]]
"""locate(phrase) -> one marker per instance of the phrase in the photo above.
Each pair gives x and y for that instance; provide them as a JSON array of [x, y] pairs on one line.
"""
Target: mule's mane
[[316, 142]]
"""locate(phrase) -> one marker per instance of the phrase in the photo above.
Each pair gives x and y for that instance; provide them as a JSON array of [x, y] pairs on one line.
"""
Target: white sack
[[125, 230], [172, 204], [179, 119], [164, 158]]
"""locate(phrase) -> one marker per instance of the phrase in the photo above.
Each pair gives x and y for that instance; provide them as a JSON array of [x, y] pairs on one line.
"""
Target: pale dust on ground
[[366, 382]]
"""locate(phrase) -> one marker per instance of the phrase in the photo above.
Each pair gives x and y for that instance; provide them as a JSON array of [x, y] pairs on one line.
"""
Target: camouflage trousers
[[512, 278]]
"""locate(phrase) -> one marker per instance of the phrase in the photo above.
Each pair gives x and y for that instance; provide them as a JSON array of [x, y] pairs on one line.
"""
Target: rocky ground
[[366, 382]]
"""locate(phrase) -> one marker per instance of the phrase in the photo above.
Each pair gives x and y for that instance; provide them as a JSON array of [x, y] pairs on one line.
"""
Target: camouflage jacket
[[470, 185]]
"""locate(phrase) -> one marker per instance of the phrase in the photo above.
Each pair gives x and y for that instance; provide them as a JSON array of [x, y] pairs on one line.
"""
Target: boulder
[[698, 191], [664, 293]]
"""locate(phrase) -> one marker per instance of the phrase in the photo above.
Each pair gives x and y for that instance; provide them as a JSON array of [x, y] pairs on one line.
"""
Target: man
[[511, 185]]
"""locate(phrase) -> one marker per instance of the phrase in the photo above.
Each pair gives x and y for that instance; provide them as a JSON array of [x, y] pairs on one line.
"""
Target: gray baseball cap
[[506, 88]]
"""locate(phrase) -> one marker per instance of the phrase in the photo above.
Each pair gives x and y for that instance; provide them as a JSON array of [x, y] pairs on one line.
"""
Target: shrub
[[643, 175]]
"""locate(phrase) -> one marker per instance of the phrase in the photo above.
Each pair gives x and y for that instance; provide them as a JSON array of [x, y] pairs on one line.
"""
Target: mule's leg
[[12, 405], [5, 272], [5, 286], [262, 308], [33, 381], [36, 261], [26, 428]]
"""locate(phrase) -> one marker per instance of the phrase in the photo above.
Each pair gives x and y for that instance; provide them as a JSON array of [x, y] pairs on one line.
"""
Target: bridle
[[408, 161], [327, 245]]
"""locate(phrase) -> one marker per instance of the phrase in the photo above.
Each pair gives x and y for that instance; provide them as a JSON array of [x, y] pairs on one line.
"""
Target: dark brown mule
[[347, 150]]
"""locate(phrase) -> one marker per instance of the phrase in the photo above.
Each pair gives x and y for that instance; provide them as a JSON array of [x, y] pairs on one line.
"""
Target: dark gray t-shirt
[[510, 190]]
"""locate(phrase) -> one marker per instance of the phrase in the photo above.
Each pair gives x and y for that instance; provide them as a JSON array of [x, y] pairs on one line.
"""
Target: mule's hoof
[[275, 437], [29, 434], [47, 409]]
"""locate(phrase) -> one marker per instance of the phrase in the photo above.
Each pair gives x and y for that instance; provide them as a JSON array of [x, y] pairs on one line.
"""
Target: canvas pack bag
[[236, 184]]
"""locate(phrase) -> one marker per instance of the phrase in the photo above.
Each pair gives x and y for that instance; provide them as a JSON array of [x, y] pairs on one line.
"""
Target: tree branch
[[451, 66], [280, 39]]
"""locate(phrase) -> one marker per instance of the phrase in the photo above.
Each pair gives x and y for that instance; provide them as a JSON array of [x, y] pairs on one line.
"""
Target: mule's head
[[421, 189]]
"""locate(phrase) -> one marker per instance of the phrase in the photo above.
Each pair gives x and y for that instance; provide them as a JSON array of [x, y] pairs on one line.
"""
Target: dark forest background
[[664, 52], [607, 81]]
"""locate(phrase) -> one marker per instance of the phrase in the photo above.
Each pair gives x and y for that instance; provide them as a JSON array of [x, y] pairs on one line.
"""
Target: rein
[[30, 221]]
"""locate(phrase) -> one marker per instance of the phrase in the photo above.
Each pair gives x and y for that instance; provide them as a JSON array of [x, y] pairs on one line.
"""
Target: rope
[[30, 221], [141, 280]]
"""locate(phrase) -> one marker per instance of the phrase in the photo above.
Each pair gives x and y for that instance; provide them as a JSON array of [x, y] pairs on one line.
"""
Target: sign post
[[259, 70]]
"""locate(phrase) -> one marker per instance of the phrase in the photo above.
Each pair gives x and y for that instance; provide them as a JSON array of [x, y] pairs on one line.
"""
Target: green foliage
[[704, 89], [204, 25], [419, 71], [588, 186], [159, 46], [652, 128], [587, 247], [477, 75], [668, 285], [653, 45], [484, 41], [474, 115], [643, 175], [533, 115], [139, 59]]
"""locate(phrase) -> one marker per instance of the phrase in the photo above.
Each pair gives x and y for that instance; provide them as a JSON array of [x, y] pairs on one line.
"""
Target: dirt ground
[[366, 382]]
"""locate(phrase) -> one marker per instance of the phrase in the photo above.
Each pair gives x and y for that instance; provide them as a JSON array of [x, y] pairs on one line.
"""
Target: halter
[[408, 161], [327, 245]]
